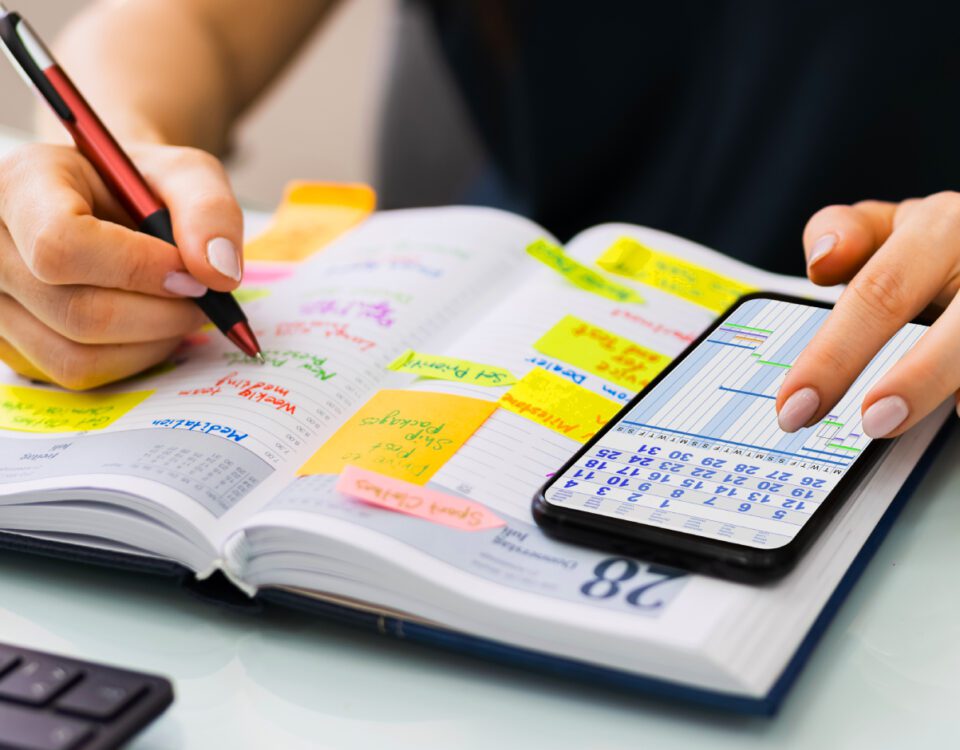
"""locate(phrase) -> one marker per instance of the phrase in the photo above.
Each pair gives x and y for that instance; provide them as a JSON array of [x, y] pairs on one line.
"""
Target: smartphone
[[695, 472]]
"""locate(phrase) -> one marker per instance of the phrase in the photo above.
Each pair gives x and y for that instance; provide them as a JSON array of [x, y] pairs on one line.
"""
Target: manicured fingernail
[[884, 416], [183, 284], [223, 256], [798, 409], [821, 247]]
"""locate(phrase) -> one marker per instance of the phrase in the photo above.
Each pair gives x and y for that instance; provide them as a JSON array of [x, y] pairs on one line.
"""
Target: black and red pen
[[94, 141]]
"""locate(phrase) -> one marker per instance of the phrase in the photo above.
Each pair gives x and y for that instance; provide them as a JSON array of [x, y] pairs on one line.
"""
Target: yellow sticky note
[[450, 368], [564, 407], [601, 352], [311, 215], [407, 435], [250, 294], [38, 410], [579, 275], [693, 283]]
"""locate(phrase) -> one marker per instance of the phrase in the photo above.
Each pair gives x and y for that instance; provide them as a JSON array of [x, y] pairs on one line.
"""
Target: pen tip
[[259, 357], [241, 335]]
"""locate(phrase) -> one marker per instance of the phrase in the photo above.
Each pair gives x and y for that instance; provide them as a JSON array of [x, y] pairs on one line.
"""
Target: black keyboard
[[51, 702]]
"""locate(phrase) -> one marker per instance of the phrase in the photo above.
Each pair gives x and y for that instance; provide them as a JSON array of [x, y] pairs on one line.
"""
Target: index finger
[[892, 288], [62, 242]]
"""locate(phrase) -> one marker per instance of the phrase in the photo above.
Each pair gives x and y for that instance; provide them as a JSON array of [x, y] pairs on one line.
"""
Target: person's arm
[[181, 71], [899, 259], [84, 299]]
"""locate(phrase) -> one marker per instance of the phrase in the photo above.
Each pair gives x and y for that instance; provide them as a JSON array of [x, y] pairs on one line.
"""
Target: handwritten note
[[679, 277], [430, 505], [329, 329], [601, 352], [450, 368], [579, 274], [272, 396], [314, 364], [558, 404], [311, 216], [39, 410], [406, 435]]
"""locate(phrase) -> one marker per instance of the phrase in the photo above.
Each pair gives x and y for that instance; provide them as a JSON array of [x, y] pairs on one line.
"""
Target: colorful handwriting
[[653, 326], [673, 275], [208, 428], [451, 368], [400, 264], [272, 358], [310, 217], [407, 435], [327, 329], [402, 298], [601, 352], [559, 368], [579, 275], [380, 313], [40, 410], [257, 391], [413, 500], [568, 409]]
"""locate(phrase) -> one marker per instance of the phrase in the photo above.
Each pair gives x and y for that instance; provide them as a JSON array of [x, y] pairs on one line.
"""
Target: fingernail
[[183, 284], [821, 247], [223, 256], [884, 416], [798, 409]]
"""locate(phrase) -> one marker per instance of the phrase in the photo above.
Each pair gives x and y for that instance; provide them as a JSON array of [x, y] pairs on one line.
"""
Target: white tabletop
[[884, 676]]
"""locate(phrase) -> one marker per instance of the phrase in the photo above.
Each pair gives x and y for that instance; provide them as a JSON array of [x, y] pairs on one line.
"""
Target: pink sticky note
[[255, 273], [414, 500]]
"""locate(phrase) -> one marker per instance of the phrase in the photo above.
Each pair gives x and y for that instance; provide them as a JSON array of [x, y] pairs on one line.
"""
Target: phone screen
[[701, 451]]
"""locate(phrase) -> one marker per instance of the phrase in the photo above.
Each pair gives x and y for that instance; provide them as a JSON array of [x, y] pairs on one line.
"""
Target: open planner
[[425, 373]]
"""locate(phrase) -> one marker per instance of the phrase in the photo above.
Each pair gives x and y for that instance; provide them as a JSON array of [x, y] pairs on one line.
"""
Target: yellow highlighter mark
[[580, 275], [451, 368], [602, 353], [564, 407], [38, 410], [311, 215], [407, 435], [673, 275]]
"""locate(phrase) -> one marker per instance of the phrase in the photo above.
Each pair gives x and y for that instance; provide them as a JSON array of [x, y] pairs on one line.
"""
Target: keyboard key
[[26, 729], [36, 681], [8, 658], [101, 696]]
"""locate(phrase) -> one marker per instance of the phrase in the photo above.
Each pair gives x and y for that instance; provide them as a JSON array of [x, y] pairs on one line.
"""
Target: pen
[[36, 65]]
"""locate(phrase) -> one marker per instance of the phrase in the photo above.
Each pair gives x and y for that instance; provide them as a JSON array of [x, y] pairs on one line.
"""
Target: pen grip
[[220, 307], [159, 225]]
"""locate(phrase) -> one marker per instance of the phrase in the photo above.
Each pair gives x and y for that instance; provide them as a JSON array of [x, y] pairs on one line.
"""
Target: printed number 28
[[614, 571]]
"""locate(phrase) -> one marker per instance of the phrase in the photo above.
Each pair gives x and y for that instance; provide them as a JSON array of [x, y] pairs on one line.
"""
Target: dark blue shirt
[[729, 122]]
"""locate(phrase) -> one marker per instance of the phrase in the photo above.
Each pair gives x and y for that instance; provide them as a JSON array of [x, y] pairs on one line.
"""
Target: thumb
[[838, 240], [207, 220]]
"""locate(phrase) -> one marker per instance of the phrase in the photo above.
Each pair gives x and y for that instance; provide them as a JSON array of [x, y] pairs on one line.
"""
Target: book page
[[225, 432], [543, 333]]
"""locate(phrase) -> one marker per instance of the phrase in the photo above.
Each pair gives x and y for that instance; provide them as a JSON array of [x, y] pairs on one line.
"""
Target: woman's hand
[[84, 299], [899, 259]]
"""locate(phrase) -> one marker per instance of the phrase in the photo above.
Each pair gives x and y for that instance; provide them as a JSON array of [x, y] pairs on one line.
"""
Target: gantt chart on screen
[[702, 452]]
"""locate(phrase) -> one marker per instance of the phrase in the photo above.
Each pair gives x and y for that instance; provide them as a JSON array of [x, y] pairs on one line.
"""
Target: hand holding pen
[[83, 298]]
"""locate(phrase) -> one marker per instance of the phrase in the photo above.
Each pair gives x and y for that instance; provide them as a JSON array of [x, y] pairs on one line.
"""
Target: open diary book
[[424, 374]]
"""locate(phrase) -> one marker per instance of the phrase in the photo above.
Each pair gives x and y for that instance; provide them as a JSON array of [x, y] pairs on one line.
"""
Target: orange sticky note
[[430, 505], [406, 435], [311, 215]]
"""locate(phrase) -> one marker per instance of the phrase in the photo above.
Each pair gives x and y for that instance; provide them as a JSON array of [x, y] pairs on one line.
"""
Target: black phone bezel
[[688, 551]]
